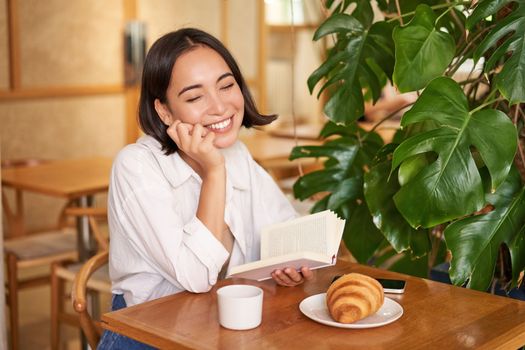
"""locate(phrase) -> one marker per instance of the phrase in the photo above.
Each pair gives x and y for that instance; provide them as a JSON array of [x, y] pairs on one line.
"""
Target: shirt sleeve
[[142, 203]]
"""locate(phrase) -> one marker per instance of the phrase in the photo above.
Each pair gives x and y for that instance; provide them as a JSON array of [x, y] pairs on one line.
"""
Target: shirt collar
[[177, 171]]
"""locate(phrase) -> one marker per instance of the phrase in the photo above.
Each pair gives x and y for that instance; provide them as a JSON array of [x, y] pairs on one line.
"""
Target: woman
[[187, 200]]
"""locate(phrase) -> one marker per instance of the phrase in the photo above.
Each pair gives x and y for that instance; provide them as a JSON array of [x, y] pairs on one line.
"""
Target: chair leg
[[12, 290], [57, 291]]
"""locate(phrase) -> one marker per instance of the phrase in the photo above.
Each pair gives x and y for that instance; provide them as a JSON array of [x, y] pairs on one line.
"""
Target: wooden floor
[[35, 324]]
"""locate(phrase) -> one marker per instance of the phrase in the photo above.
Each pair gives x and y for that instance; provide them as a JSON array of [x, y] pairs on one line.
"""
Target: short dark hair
[[156, 76]]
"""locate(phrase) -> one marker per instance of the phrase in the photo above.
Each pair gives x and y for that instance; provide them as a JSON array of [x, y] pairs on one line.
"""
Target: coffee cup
[[240, 306]]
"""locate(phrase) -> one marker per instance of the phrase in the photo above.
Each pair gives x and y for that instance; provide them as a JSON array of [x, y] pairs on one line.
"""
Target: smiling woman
[[197, 96], [183, 67], [187, 201]]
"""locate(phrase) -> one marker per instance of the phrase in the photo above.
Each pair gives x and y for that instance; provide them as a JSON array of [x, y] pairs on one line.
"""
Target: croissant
[[353, 297]]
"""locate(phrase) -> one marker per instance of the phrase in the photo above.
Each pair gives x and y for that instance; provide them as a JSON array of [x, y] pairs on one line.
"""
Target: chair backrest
[[95, 216], [90, 327]]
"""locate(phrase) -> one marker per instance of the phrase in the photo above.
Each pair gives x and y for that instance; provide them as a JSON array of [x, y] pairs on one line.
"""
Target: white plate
[[315, 308]]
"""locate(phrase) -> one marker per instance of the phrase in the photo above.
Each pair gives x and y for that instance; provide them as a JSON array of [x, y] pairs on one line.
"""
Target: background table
[[77, 179], [272, 153], [436, 316]]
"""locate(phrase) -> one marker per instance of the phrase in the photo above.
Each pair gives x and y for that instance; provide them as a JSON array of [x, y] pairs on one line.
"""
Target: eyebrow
[[196, 86]]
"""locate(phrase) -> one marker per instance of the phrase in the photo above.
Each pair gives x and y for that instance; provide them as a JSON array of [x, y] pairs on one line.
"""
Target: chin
[[225, 142]]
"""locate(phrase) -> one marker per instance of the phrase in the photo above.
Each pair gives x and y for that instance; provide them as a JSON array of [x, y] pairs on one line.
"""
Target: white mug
[[240, 306]]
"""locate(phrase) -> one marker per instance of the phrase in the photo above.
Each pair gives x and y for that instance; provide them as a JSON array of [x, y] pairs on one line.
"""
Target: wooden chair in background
[[23, 250], [64, 272], [91, 327]]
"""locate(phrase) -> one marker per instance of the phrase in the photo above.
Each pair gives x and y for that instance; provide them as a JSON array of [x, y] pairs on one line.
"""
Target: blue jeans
[[114, 341]]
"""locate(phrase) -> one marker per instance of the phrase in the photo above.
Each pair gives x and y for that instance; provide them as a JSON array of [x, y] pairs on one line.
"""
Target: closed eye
[[193, 99], [229, 86]]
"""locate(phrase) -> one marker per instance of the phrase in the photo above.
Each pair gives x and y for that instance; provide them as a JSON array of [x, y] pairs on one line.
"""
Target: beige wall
[[163, 16], [63, 44], [59, 128], [243, 35], [70, 43], [62, 127], [79, 43]]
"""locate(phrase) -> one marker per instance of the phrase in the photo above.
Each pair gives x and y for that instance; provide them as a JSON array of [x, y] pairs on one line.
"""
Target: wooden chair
[[91, 328], [22, 250], [64, 272]]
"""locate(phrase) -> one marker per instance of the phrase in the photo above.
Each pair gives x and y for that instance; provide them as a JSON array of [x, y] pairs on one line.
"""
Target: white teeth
[[220, 125]]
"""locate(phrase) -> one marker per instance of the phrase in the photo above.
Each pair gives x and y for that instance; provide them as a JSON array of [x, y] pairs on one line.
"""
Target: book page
[[313, 233], [310, 241]]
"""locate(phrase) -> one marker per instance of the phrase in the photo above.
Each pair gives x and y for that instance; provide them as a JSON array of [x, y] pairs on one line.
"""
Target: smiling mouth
[[220, 125]]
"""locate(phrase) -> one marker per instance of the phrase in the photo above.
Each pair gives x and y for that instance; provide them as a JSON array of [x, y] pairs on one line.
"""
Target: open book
[[311, 241]]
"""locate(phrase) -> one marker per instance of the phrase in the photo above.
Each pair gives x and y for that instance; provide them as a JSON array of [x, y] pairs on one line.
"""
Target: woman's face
[[203, 90]]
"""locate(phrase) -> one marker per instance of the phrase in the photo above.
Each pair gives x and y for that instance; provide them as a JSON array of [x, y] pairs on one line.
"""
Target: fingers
[[183, 134], [307, 273], [197, 142], [172, 132], [290, 277]]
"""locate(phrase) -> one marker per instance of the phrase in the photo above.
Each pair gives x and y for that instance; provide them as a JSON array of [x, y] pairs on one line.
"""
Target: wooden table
[[302, 132], [310, 132], [436, 316], [76, 179]]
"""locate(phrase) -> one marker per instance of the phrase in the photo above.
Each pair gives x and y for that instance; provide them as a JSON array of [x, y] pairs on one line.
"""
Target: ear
[[163, 112]]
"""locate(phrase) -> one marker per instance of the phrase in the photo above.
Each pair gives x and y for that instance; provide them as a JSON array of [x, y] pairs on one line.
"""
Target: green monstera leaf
[[342, 175], [362, 11], [451, 186], [379, 189], [361, 236], [423, 52], [474, 241], [484, 9], [360, 60], [510, 81], [342, 178]]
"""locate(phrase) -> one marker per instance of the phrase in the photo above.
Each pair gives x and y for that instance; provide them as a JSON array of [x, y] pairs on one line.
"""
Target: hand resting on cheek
[[197, 142]]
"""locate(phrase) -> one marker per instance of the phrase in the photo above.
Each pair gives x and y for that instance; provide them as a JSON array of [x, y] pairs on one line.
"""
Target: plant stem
[[474, 91], [473, 80], [459, 24], [464, 51], [399, 12], [444, 13], [489, 96], [435, 7], [436, 235], [485, 105], [391, 115], [456, 66]]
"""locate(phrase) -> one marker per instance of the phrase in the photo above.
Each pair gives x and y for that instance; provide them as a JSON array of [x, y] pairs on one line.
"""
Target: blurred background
[[69, 87], [69, 70]]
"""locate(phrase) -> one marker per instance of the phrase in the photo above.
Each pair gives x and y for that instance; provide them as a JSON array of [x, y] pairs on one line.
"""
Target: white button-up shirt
[[158, 246]]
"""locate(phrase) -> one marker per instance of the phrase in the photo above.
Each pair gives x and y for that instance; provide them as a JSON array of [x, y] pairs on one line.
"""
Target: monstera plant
[[449, 187]]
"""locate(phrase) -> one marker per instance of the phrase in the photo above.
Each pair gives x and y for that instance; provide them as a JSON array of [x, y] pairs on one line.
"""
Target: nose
[[216, 105]]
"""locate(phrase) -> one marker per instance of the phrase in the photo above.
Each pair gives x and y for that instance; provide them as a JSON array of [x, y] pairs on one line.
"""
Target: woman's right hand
[[197, 143]]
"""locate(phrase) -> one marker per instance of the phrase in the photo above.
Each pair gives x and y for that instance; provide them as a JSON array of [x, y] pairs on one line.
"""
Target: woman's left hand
[[289, 277]]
